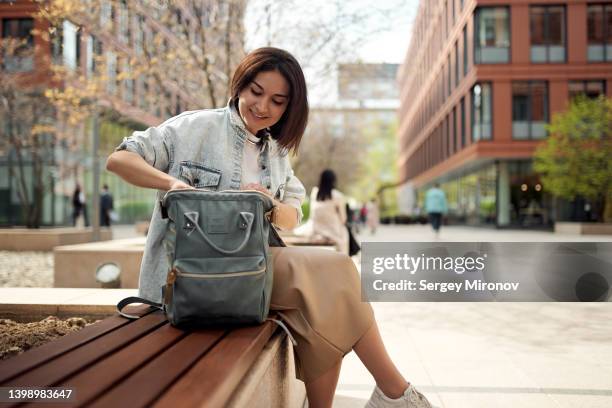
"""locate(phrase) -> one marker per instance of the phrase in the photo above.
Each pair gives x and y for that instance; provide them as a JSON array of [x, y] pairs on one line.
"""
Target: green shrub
[[306, 210], [135, 211]]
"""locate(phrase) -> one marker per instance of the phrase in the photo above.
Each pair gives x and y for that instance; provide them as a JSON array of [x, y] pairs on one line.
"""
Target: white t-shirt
[[251, 173]]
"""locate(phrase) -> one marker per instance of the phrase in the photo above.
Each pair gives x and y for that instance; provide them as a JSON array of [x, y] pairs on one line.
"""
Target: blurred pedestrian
[[363, 215], [435, 207], [372, 215], [328, 212], [351, 223], [79, 206], [106, 207]]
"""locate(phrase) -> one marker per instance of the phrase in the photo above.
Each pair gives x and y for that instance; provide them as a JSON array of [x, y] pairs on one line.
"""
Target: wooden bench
[[146, 362], [299, 240]]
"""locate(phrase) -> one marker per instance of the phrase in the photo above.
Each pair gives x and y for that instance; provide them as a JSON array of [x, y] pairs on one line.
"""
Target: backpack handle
[[247, 223]]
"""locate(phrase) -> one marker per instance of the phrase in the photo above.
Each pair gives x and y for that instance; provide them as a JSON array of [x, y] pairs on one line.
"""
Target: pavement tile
[[583, 401], [497, 400]]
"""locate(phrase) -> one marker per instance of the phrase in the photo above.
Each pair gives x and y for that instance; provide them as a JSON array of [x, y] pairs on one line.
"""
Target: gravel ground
[[30, 270], [26, 269]]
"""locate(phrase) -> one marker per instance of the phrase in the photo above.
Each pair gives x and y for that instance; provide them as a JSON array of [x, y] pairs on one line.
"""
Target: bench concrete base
[[271, 382], [34, 304], [75, 265], [45, 239], [583, 228]]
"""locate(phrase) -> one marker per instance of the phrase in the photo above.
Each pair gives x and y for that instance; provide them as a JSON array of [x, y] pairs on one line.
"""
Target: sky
[[358, 30]]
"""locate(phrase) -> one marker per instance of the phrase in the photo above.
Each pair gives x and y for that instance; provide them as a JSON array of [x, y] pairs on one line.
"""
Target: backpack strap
[[135, 299], [282, 326]]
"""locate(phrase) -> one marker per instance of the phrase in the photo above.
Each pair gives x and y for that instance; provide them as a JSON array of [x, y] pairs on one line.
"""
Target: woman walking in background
[[328, 212]]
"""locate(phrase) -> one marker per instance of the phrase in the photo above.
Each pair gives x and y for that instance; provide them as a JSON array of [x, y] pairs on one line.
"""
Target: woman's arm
[[135, 170]]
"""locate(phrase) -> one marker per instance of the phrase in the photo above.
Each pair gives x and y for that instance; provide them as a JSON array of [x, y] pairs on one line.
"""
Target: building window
[[94, 54], [465, 52], [448, 135], [446, 19], [178, 107], [128, 82], [599, 27], [462, 123], [454, 124], [457, 67], [492, 35], [111, 72], [139, 27], [481, 112], [529, 109], [22, 58], [123, 22], [590, 89], [66, 45], [547, 34], [106, 15], [448, 76]]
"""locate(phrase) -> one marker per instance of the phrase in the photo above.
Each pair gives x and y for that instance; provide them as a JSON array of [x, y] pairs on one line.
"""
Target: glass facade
[[492, 35], [507, 190], [57, 167], [547, 33], [529, 109]]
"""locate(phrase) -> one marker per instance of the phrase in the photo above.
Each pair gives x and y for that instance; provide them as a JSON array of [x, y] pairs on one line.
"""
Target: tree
[[183, 47], [576, 159], [322, 33], [330, 144], [379, 168]]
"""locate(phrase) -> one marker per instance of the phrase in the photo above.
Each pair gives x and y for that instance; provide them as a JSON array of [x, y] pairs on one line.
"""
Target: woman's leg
[[372, 352], [320, 392]]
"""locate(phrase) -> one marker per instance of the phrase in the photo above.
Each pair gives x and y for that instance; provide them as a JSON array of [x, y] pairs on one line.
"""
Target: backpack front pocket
[[212, 279]]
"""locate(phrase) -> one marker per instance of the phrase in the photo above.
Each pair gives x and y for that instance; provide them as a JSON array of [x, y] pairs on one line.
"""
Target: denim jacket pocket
[[199, 176]]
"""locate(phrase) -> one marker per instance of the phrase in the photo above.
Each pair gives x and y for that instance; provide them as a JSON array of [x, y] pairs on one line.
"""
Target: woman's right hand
[[179, 185]]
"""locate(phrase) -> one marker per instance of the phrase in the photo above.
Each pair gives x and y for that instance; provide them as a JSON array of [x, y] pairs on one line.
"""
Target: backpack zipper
[[179, 273]]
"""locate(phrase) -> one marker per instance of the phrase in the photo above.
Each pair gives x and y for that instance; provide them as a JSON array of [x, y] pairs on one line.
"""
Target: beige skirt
[[317, 292]]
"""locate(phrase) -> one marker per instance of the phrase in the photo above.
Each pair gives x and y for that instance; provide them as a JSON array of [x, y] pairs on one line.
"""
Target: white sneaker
[[411, 399]]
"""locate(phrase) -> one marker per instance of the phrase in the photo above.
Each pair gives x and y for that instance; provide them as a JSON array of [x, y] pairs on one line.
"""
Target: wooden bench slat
[[117, 366], [145, 385], [68, 364], [17, 365], [213, 379]]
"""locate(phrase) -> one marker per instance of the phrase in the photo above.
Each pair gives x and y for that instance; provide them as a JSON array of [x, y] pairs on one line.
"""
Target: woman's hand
[[258, 187], [179, 185], [285, 215]]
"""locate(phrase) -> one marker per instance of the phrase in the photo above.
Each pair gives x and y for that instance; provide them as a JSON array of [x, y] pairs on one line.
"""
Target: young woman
[[328, 211], [245, 146]]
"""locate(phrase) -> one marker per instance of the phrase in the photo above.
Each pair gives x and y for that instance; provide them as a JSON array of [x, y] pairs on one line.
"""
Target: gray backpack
[[218, 252]]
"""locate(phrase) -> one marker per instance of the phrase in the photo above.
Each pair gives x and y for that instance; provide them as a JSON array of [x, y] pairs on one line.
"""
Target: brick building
[[480, 80]]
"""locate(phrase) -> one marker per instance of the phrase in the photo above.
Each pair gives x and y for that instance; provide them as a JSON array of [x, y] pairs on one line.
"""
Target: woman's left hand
[[258, 187]]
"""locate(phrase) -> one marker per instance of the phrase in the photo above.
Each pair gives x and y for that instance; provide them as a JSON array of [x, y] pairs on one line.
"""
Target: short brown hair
[[288, 131]]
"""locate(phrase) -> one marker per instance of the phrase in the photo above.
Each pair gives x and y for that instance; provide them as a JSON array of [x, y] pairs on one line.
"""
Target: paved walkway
[[472, 355]]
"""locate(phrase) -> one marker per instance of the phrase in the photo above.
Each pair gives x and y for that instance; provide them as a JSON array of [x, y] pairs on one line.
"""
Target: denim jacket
[[204, 149]]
